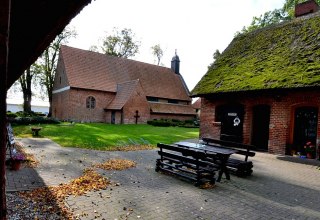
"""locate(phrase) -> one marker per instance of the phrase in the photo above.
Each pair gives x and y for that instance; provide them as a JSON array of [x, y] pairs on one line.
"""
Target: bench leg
[[220, 175], [157, 169], [223, 169]]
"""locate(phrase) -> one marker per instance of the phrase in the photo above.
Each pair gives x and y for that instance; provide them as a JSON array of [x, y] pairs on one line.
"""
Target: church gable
[[61, 79]]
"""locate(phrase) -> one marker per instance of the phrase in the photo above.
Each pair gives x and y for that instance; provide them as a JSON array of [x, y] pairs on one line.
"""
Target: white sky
[[196, 28]]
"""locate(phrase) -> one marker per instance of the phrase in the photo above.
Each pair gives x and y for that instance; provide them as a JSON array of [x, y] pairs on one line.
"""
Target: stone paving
[[281, 187]]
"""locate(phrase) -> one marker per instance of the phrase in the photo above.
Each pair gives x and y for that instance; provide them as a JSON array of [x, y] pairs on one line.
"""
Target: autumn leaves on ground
[[51, 199]]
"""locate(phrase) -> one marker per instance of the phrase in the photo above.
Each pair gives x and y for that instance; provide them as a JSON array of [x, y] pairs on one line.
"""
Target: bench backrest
[[233, 145]]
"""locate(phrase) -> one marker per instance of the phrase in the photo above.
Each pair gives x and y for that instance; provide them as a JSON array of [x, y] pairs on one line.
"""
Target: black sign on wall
[[231, 118]]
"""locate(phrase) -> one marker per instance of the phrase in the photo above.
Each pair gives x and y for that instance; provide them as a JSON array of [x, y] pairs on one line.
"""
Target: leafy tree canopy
[[121, 44], [49, 59], [273, 17], [215, 56], [157, 52]]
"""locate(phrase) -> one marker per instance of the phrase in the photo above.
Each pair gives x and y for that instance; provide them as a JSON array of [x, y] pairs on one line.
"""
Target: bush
[[159, 123], [188, 122], [11, 114], [172, 122], [25, 114], [33, 120], [40, 114]]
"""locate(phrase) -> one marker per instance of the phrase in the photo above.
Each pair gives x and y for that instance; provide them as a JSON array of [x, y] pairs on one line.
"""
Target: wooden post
[[4, 56]]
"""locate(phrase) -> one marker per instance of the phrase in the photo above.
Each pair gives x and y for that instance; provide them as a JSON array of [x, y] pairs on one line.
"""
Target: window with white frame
[[91, 102]]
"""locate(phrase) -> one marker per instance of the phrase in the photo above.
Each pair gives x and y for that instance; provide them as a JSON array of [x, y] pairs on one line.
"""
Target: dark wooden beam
[[4, 55], [22, 40]]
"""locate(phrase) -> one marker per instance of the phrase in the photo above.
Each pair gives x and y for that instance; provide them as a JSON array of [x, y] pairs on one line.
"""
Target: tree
[[48, 62], [157, 52], [268, 18], [94, 48], [121, 43], [273, 17], [215, 56], [25, 82]]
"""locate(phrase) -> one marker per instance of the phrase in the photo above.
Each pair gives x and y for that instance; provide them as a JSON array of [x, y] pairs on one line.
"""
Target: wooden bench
[[237, 166], [186, 163]]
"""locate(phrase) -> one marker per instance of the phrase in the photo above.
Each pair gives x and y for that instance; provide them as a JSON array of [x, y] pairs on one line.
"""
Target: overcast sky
[[196, 28]]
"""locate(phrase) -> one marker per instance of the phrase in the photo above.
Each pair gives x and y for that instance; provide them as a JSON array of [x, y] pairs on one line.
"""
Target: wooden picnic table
[[223, 155]]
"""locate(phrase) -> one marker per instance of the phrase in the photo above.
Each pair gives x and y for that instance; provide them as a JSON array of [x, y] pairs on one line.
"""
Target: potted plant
[[310, 149], [16, 160]]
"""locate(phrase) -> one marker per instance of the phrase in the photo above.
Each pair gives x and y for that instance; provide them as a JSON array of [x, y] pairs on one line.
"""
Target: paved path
[[280, 188]]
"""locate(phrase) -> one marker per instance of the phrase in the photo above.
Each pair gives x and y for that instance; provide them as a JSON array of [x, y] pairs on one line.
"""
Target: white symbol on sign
[[236, 121]]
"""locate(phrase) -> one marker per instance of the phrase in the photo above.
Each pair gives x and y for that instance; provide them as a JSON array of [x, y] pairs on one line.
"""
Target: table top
[[206, 148]]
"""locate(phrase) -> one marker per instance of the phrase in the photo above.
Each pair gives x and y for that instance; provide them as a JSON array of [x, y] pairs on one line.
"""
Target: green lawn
[[105, 136]]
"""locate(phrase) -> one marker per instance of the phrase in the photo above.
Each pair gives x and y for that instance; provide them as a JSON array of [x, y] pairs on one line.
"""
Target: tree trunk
[[26, 103], [50, 103], [4, 54], [28, 91], [25, 82]]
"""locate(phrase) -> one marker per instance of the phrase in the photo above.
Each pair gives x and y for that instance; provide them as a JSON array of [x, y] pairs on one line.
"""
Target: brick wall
[[137, 102], [209, 127], [71, 105], [306, 8], [59, 105], [281, 124]]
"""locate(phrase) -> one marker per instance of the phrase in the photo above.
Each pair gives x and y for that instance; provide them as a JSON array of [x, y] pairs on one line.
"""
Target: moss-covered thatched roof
[[286, 55]]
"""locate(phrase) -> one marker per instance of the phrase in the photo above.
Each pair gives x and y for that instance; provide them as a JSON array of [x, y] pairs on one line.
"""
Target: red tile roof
[[92, 70], [197, 104], [124, 92], [158, 107]]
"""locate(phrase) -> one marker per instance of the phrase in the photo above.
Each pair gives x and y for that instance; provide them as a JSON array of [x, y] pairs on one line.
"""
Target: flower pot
[[15, 164], [309, 155]]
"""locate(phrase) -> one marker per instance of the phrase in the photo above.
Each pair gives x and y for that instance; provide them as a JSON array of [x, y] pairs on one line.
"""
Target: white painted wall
[[16, 105]]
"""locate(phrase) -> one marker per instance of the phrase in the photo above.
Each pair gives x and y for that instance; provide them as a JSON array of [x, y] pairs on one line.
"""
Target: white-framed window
[[91, 102]]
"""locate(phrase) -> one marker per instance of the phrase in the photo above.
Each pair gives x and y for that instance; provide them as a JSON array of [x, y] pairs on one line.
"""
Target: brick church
[[94, 87], [264, 89]]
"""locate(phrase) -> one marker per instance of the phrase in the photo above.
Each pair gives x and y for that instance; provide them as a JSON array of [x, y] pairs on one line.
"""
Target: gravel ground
[[19, 208]]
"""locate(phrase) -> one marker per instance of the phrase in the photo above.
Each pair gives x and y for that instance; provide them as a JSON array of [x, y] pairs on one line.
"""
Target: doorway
[[260, 126], [305, 127], [113, 117], [231, 118]]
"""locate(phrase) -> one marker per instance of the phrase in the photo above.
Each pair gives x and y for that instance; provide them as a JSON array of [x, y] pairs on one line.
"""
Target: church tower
[[175, 63]]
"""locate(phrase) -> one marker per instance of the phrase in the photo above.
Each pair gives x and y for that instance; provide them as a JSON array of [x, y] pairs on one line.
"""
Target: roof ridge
[[117, 102], [280, 56], [281, 24], [115, 57], [92, 70]]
